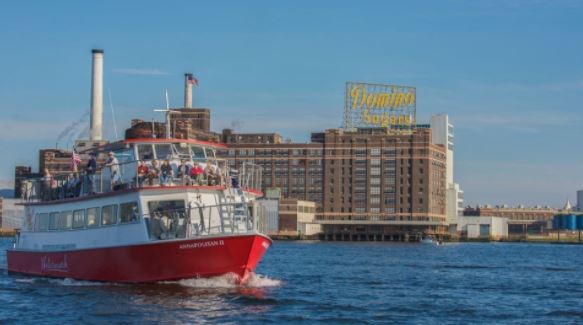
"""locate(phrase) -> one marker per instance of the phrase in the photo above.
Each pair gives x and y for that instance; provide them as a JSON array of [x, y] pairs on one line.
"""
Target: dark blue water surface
[[330, 282]]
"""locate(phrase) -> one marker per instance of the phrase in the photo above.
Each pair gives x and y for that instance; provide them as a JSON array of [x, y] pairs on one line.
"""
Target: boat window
[[78, 219], [182, 149], [128, 212], [163, 151], [167, 219], [65, 220], [109, 215], [42, 222], [197, 153], [93, 217], [125, 155], [145, 152], [53, 219], [210, 153], [169, 205]]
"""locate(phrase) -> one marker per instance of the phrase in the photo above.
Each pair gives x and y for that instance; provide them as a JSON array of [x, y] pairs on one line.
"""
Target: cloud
[[142, 72]]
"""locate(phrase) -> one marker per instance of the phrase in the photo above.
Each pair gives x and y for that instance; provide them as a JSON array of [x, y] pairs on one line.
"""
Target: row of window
[[87, 218]]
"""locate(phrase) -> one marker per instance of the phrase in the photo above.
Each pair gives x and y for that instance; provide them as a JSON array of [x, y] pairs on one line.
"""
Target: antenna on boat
[[112, 113], [167, 112]]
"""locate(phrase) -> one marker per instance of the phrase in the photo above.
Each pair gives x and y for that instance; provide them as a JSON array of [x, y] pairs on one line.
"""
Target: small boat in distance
[[430, 240]]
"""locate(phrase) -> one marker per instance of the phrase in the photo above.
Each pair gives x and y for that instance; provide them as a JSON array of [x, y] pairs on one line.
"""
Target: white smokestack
[[187, 90], [97, 95]]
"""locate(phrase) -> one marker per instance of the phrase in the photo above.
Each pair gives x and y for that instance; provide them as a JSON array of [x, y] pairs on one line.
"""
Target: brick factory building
[[368, 184]]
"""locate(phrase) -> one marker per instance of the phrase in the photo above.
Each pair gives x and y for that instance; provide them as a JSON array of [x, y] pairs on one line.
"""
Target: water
[[329, 282]]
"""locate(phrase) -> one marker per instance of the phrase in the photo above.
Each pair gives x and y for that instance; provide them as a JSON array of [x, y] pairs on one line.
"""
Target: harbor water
[[330, 282]]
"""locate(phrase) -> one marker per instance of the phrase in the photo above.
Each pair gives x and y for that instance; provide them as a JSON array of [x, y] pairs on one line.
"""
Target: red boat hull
[[152, 262]]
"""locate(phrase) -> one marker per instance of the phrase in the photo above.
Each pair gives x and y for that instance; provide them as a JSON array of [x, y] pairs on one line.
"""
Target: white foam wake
[[230, 280]]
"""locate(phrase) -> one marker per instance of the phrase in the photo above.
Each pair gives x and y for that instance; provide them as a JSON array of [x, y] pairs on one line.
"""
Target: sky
[[508, 73]]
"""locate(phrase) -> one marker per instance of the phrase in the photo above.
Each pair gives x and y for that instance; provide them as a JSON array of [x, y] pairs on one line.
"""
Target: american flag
[[192, 80], [75, 160]]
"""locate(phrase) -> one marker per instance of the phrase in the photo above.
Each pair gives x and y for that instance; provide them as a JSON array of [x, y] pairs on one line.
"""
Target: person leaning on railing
[[113, 164]]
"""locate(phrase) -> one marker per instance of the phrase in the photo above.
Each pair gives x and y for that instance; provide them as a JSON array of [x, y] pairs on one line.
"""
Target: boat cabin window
[[93, 217], [163, 151], [65, 220], [125, 155], [128, 212], [210, 153], [78, 219], [167, 207], [167, 219], [145, 152], [42, 222], [109, 215], [53, 220], [198, 154], [182, 150]]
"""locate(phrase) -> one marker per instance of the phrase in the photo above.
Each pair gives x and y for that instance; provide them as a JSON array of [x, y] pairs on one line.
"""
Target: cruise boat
[[124, 228]]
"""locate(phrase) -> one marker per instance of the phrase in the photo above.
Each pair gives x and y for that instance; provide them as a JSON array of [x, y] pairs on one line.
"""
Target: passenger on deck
[[154, 172], [165, 173], [90, 170], [113, 164], [47, 181], [142, 173], [183, 172], [69, 190], [196, 174], [211, 174]]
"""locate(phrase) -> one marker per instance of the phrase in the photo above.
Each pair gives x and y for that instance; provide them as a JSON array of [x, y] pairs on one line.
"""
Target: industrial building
[[521, 220], [486, 228], [366, 183]]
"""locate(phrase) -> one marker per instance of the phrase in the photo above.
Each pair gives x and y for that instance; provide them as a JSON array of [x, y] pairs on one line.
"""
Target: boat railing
[[125, 176], [200, 221]]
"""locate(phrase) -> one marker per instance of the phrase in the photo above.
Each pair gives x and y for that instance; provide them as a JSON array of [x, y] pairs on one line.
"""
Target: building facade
[[370, 181], [443, 134]]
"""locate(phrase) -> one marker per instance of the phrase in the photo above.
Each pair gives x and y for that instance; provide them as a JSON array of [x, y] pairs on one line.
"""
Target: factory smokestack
[[188, 90], [97, 95]]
